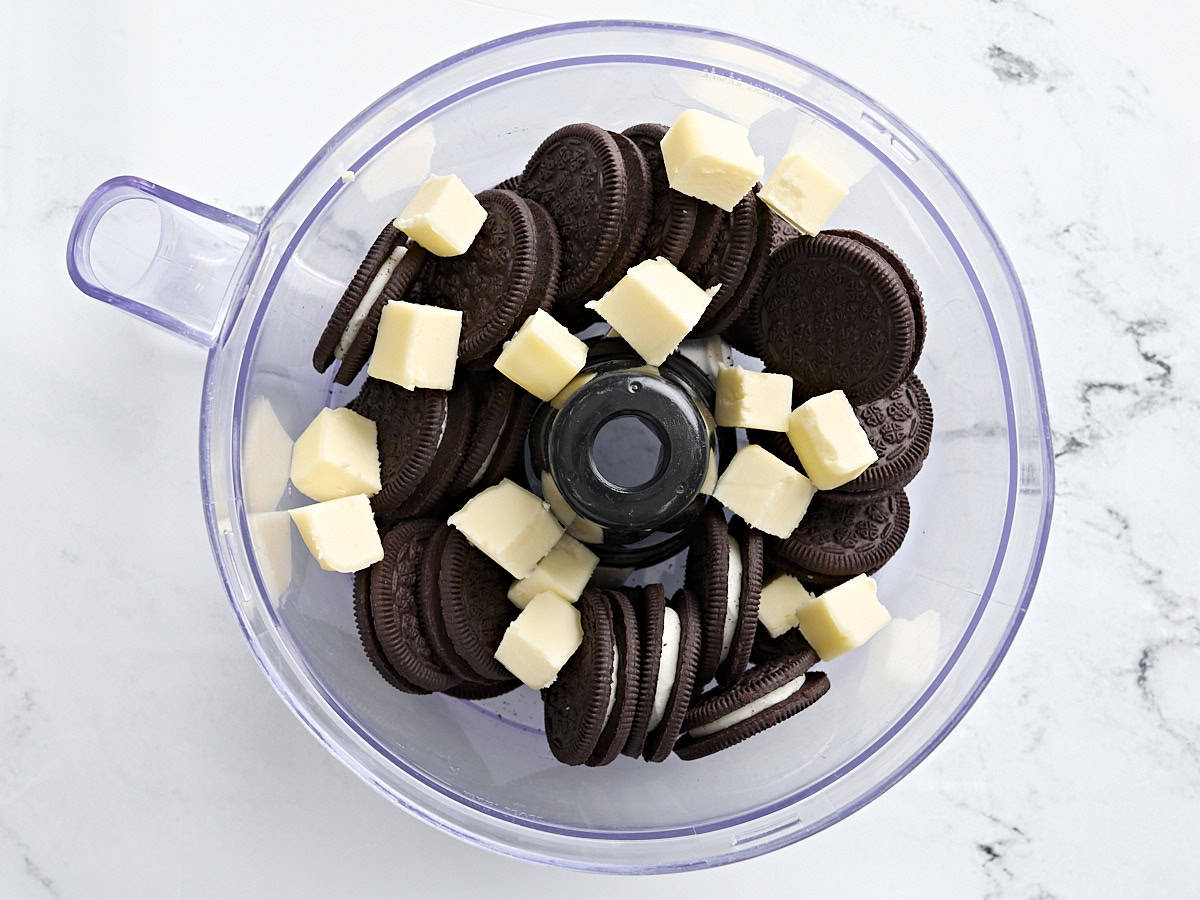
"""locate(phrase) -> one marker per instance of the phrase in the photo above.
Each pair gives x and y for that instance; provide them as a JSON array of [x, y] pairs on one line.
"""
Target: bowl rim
[[234, 588]]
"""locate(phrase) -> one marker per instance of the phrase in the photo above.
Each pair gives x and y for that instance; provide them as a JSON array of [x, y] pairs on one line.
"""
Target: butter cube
[[843, 617], [417, 345], [538, 642], [764, 490], [654, 306], [443, 216], [780, 603], [340, 533], [542, 356], [748, 399], [802, 193], [710, 158], [510, 525], [829, 441], [336, 456], [565, 571]]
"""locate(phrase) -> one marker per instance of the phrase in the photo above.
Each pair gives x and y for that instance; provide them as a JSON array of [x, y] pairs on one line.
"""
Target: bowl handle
[[157, 254]]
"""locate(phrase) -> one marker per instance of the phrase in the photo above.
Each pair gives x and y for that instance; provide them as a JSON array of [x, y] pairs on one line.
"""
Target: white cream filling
[[733, 602], [667, 665], [753, 708], [612, 688], [374, 289], [487, 461]]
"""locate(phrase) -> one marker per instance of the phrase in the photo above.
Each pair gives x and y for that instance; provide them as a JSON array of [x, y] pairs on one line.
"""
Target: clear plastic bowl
[[257, 294]]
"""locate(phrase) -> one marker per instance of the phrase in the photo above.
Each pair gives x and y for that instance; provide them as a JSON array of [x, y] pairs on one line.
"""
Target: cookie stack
[[827, 312]]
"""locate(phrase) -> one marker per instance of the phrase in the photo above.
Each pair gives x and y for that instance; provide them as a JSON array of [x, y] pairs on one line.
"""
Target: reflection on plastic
[[271, 540], [266, 457], [901, 658]]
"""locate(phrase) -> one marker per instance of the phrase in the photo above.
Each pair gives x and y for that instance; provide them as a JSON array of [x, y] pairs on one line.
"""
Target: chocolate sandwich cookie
[[900, 428], [638, 203], [483, 690], [384, 274], [578, 174], [790, 643], [834, 315], [429, 609], [490, 283], [672, 214], [661, 738], [624, 691], [728, 262], [394, 607], [511, 183], [763, 697], [707, 576], [408, 425], [749, 542], [370, 640], [747, 289], [447, 458], [494, 397], [916, 298], [709, 222], [842, 537], [576, 704], [475, 606], [650, 605], [549, 261], [385, 248], [509, 459], [814, 581]]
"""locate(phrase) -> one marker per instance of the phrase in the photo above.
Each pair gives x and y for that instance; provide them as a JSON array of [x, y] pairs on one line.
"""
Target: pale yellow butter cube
[[654, 306], [779, 604], [842, 618], [542, 357], [538, 642], [443, 216], [748, 399], [802, 193], [336, 456], [565, 571], [510, 525], [710, 158], [764, 490], [340, 533], [417, 345], [829, 440]]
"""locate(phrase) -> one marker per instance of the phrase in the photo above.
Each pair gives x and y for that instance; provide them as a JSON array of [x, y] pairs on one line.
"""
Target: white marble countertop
[[143, 753]]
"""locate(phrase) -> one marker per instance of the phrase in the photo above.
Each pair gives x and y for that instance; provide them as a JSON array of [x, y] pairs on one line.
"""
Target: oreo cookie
[[727, 264], [900, 428], [447, 457], [491, 282], [790, 643], [429, 609], [662, 737], [385, 274], [672, 214], [709, 223], [370, 640], [639, 199], [707, 576], [409, 425], [578, 174], [761, 698], [738, 302], [749, 543], [625, 689], [906, 277], [650, 606], [393, 604], [475, 609], [840, 538], [577, 702], [834, 315]]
